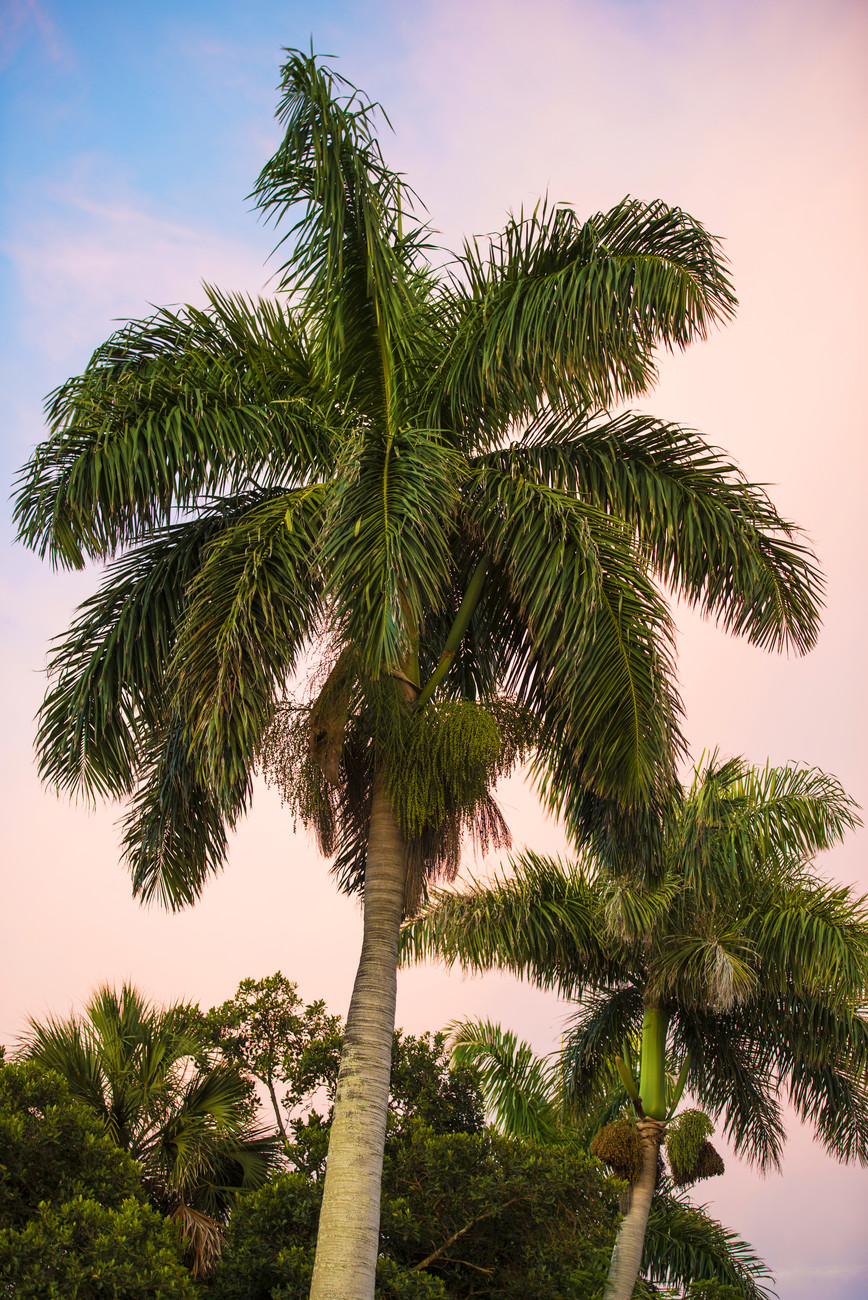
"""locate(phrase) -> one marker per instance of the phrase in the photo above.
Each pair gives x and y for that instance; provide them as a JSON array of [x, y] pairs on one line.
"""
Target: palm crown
[[755, 965], [731, 966], [352, 452]]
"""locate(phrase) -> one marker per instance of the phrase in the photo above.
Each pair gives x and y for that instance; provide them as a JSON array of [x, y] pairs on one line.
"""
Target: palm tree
[[731, 955], [525, 1094], [147, 1074], [414, 467]]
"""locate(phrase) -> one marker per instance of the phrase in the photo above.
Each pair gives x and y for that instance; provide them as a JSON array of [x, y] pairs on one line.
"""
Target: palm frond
[[176, 827], [251, 608], [609, 1017], [731, 1077], [109, 668], [683, 1244], [713, 537], [518, 1087], [542, 923], [586, 640], [387, 545], [813, 935], [181, 405], [351, 255], [554, 306]]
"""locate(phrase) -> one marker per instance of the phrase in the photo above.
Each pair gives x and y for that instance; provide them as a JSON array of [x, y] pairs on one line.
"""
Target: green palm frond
[[108, 669], [553, 306], [812, 934], [731, 1077], [388, 543], [711, 535], [352, 256], [146, 1072], [519, 1087], [251, 609], [714, 966], [591, 651], [170, 409], [789, 813], [542, 923], [819, 1053], [684, 1245], [608, 1018], [176, 827]]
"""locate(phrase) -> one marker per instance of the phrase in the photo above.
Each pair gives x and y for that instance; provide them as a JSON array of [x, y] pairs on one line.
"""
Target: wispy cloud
[[95, 252], [21, 19]]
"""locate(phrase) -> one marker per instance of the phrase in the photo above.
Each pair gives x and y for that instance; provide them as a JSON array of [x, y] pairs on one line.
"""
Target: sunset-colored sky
[[133, 132]]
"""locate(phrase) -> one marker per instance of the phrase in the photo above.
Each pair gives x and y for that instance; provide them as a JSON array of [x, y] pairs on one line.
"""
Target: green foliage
[[513, 1217], [685, 1248], [73, 1215], [268, 1034], [82, 1249], [144, 1071], [758, 964], [520, 1090], [426, 1086], [348, 456], [53, 1148]]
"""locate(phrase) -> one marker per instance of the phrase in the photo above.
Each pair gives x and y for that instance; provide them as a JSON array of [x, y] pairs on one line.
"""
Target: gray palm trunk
[[349, 1226], [627, 1255]]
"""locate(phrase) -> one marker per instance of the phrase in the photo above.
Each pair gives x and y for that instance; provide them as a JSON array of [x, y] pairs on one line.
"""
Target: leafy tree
[[417, 467], [732, 954], [267, 1033], [141, 1069], [463, 1214], [73, 1217]]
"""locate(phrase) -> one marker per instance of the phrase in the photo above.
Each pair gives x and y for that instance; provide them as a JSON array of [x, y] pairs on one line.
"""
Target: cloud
[[89, 251], [22, 19]]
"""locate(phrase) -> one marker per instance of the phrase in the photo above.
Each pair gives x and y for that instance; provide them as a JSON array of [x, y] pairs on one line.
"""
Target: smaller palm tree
[[526, 1096], [146, 1072], [714, 943]]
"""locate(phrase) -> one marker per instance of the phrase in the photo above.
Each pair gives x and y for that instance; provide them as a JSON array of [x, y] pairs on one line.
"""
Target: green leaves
[[710, 534], [108, 669], [388, 539], [182, 405], [556, 306], [518, 1087], [251, 609], [585, 636]]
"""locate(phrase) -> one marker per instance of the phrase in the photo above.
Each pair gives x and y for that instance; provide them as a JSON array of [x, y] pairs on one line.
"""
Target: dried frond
[[202, 1237]]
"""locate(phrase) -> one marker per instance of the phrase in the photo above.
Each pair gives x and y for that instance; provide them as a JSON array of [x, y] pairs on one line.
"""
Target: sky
[[132, 135]]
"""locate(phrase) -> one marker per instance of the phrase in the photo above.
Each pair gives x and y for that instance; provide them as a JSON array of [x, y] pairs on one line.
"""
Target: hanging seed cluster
[[691, 1156], [619, 1145]]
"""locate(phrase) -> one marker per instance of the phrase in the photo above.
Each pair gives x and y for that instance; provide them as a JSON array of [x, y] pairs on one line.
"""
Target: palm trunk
[[627, 1255], [349, 1225]]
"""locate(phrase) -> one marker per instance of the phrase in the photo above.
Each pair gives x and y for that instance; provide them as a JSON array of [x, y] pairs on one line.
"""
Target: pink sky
[[752, 117]]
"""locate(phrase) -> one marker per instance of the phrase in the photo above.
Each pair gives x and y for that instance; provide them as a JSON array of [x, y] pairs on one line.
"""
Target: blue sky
[[131, 135]]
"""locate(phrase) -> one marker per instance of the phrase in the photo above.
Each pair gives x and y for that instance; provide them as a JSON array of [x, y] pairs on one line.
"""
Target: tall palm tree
[[415, 466], [147, 1074], [733, 955]]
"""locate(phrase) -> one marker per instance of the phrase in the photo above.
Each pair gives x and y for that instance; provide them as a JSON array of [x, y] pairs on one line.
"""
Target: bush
[[53, 1148], [74, 1222], [81, 1249]]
